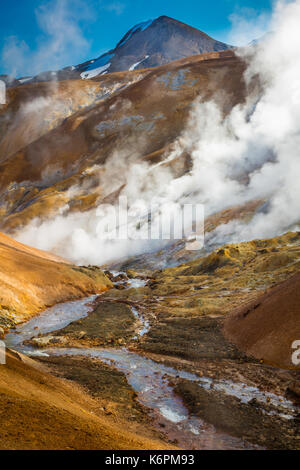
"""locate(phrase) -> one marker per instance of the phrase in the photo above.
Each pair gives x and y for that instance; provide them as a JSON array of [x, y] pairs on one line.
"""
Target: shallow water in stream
[[149, 379], [133, 283], [53, 318]]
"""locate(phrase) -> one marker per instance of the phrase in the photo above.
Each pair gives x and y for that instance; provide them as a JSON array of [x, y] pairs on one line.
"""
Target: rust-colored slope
[[141, 115], [11, 243], [168, 90], [31, 280], [42, 412], [267, 327], [33, 110]]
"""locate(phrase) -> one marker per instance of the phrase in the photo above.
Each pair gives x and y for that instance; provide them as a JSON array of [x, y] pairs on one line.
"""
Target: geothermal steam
[[259, 139]]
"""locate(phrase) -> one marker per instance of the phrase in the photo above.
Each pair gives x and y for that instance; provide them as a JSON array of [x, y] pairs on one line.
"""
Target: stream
[[149, 379]]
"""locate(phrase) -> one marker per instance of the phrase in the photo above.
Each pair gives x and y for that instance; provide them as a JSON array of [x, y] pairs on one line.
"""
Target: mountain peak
[[152, 43], [147, 44]]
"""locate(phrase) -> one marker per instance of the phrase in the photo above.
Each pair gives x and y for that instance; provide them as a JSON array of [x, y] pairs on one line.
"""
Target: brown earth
[[186, 307], [238, 419], [267, 327], [109, 324], [217, 283], [32, 280], [139, 113], [105, 383], [32, 110], [11, 243], [42, 412]]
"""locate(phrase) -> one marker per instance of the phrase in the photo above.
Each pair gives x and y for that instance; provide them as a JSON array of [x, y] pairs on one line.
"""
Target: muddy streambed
[[151, 380]]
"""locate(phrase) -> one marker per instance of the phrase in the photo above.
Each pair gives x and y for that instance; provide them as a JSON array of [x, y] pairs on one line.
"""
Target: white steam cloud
[[61, 38], [248, 25], [115, 7], [259, 140]]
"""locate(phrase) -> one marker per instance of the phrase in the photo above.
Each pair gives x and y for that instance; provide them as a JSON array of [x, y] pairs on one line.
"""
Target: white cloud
[[115, 7], [247, 25], [62, 39]]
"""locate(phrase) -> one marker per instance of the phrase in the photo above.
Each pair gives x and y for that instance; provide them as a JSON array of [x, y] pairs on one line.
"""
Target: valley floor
[[160, 357], [260, 422]]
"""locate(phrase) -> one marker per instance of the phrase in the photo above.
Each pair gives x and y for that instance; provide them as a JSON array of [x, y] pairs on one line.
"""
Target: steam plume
[[260, 139]]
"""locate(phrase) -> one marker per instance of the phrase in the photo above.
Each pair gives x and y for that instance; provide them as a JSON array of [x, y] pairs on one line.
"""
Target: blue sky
[[37, 35]]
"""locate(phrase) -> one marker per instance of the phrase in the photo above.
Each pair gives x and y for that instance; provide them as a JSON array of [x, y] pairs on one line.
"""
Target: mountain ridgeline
[[148, 44], [153, 43]]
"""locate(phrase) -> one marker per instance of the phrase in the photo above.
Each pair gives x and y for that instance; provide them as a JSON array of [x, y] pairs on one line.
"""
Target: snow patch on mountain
[[24, 80], [98, 66], [94, 72], [138, 63]]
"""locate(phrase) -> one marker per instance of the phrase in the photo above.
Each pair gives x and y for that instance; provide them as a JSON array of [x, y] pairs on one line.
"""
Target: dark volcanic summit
[[155, 42], [148, 44]]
